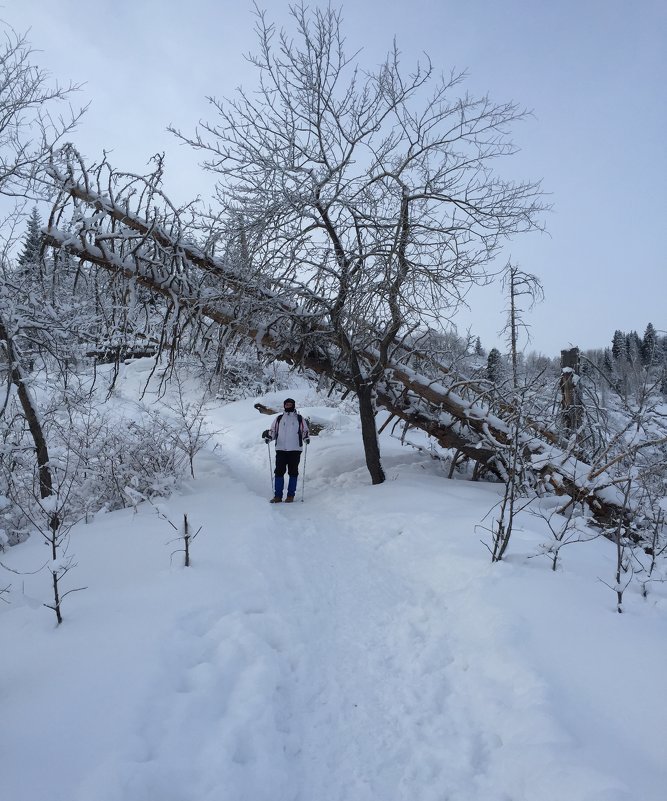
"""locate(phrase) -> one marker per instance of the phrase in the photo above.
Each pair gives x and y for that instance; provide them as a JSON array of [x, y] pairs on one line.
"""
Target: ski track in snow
[[309, 694]]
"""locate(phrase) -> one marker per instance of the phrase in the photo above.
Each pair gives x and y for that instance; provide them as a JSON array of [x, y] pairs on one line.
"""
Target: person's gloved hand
[[307, 440], [266, 436]]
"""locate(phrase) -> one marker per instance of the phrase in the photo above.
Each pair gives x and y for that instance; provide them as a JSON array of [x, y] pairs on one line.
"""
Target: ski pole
[[303, 481], [268, 451]]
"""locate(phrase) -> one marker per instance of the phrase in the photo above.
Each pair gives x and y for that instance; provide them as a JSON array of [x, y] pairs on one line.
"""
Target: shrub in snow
[[243, 374], [96, 453], [188, 425], [17, 470], [114, 452], [566, 525]]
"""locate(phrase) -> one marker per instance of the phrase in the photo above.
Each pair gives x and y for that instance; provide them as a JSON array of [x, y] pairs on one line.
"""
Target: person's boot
[[289, 499], [276, 499]]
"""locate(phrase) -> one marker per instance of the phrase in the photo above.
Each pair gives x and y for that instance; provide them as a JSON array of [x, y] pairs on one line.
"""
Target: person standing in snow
[[289, 431]]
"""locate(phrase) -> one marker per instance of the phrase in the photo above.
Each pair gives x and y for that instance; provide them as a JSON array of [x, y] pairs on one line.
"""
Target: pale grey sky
[[593, 71]]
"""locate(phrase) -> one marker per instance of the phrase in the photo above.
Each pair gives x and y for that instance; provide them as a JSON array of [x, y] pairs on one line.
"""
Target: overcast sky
[[593, 71]]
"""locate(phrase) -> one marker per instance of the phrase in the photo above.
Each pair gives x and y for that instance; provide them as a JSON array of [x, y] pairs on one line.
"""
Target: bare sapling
[[43, 497], [655, 549], [53, 519], [623, 568], [565, 528], [525, 406], [503, 525], [191, 433], [513, 469], [658, 543], [55, 528], [185, 532], [187, 536]]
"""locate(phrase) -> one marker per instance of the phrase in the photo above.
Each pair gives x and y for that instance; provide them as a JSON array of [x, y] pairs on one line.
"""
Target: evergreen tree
[[479, 350], [494, 366], [619, 347], [633, 345], [649, 346], [30, 259]]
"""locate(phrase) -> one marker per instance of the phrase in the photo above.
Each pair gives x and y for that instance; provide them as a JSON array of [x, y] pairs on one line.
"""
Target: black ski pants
[[287, 460]]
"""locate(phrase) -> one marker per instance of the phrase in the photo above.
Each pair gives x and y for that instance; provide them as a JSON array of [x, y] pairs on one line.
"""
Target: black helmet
[[289, 400]]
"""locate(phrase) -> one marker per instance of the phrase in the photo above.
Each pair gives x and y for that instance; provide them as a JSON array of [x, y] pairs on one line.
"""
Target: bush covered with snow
[[102, 457]]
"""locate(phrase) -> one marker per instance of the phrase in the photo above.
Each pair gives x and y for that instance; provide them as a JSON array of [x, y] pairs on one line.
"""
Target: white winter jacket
[[285, 431]]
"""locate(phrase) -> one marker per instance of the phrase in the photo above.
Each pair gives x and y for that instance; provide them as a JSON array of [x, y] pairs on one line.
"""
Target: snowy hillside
[[358, 646]]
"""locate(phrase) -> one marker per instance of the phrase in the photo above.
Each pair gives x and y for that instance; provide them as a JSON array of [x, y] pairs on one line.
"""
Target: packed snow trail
[[343, 683], [356, 647]]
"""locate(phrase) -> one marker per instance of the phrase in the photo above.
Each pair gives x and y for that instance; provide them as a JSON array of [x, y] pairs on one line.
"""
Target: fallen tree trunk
[[422, 402], [158, 255]]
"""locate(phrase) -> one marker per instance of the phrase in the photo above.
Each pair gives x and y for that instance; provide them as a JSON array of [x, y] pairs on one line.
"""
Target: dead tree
[[571, 407], [520, 287]]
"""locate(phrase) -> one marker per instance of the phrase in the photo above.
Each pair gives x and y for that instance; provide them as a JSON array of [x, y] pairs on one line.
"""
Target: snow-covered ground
[[357, 646]]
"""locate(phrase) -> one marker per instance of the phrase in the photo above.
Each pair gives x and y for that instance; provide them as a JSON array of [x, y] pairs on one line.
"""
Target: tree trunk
[[570, 401], [30, 412], [369, 432], [513, 329]]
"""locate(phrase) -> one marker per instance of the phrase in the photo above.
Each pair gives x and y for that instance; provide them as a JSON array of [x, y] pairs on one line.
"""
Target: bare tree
[[32, 121], [34, 115], [17, 375], [371, 203], [523, 290]]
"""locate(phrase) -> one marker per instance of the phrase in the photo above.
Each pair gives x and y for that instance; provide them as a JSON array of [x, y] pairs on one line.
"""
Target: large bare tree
[[369, 196], [35, 114]]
